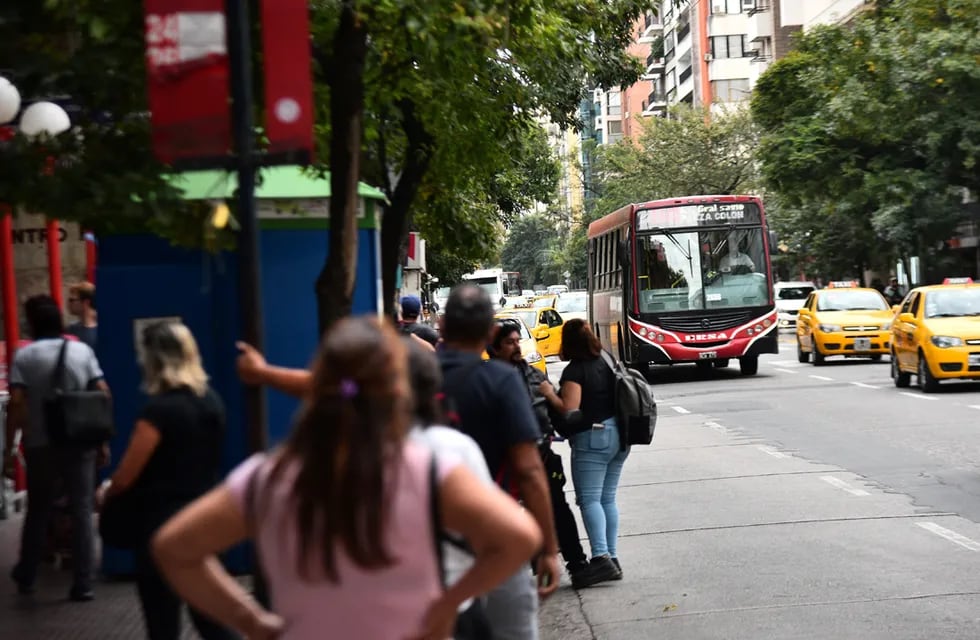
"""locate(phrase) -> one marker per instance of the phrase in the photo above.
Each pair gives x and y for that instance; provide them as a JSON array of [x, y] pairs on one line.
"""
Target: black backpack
[[636, 408]]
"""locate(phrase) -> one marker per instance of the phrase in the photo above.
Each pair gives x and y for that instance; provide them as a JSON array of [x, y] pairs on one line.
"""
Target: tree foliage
[[686, 154], [872, 130]]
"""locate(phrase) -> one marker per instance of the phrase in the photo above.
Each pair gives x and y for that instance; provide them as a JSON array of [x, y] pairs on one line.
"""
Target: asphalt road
[[803, 502]]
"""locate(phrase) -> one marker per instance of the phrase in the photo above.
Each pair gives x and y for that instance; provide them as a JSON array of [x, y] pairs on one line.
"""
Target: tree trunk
[[335, 284], [398, 215]]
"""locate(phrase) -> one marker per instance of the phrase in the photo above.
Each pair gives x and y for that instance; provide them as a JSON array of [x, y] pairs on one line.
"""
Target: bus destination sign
[[698, 215]]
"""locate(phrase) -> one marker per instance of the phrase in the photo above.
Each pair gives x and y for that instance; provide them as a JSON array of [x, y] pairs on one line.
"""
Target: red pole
[[53, 239], [8, 284], [91, 256]]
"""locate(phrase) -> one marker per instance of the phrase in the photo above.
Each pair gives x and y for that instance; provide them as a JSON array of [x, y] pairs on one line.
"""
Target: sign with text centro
[[187, 79], [698, 215]]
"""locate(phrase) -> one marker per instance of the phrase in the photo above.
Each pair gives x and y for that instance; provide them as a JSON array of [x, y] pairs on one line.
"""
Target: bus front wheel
[[749, 365]]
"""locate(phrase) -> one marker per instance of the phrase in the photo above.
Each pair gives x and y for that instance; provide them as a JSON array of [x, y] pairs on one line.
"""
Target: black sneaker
[[23, 588], [615, 561], [576, 566], [81, 595], [600, 569]]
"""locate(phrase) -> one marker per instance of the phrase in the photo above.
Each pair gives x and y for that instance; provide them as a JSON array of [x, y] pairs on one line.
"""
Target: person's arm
[[142, 444], [16, 421], [254, 370], [502, 536], [571, 390], [186, 549]]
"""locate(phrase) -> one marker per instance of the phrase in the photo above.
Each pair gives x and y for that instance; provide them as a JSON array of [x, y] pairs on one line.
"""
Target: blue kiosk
[[142, 278]]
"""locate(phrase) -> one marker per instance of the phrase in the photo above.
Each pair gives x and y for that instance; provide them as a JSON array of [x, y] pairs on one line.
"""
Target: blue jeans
[[597, 464]]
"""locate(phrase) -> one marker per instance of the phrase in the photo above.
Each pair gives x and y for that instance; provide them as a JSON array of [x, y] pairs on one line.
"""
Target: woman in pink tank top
[[342, 514]]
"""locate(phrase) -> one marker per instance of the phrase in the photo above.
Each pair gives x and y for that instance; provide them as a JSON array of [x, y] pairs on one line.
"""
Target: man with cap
[[409, 324]]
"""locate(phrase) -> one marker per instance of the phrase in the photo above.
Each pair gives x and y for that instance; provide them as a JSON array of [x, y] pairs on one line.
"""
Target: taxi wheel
[[801, 355], [819, 359], [927, 382], [901, 378]]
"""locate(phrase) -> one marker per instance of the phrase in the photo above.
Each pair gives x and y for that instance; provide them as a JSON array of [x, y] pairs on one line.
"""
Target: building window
[[685, 74], [615, 127], [671, 79], [730, 90], [613, 104], [722, 7], [728, 47]]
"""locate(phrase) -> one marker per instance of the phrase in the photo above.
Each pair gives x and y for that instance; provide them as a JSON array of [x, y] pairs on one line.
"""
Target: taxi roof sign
[[958, 281], [842, 284]]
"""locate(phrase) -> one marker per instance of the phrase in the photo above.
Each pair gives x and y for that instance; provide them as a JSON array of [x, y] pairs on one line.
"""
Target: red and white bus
[[684, 280]]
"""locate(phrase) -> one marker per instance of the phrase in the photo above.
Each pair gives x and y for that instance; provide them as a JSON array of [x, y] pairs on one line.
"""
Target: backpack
[[636, 408]]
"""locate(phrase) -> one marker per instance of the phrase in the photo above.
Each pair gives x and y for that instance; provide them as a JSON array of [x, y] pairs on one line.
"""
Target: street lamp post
[[40, 118]]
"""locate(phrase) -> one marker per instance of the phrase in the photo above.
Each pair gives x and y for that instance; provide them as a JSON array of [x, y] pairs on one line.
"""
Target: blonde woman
[[173, 458]]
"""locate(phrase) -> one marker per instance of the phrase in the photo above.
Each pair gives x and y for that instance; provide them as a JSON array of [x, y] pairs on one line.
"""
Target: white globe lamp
[[44, 117], [9, 101]]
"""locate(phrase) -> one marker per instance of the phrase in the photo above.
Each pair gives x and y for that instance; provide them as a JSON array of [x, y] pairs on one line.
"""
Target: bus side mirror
[[624, 254]]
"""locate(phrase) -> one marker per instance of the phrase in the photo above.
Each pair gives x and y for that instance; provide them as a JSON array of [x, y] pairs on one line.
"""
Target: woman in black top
[[587, 385], [173, 458]]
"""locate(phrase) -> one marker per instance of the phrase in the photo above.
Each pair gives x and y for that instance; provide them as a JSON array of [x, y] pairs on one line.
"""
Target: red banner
[[187, 73], [288, 77]]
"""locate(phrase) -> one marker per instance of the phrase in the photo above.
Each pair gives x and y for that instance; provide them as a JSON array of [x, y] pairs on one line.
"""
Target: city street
[[804, 502]]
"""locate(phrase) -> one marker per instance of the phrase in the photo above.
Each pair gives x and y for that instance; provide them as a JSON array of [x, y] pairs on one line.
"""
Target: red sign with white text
[[288, 77], [187, 74]]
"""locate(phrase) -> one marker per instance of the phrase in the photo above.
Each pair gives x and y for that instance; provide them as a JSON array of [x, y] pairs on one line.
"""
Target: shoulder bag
[[76, 416]]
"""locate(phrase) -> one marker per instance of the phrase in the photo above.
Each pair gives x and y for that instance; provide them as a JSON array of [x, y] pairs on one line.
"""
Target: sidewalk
[[723, 536], [49, 615]]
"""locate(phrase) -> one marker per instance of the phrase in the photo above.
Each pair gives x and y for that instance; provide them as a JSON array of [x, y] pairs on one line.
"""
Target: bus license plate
[[862, 344], [708, 355]]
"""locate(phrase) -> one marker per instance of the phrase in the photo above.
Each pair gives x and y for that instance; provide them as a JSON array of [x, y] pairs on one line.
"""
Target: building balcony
[[760, 6], [760, 26], [654, 65], [651, 26]]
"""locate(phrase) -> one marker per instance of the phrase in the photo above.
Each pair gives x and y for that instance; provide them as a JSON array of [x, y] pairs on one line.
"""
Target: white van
[[790, 297]]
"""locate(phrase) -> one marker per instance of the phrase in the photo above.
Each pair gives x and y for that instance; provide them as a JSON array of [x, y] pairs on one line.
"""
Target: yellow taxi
[[843, 320], [545, 325], [937, 334], [529, 346]]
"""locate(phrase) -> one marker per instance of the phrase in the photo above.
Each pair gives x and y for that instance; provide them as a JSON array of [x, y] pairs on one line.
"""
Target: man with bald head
[[492, 406]]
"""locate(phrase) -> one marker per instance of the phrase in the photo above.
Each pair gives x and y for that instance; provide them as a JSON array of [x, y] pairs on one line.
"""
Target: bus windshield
[[701, 269], [489, 284]]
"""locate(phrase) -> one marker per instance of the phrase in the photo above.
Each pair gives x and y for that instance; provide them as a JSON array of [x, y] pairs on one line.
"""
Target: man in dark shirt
[[493, 408], [506, 347], [81, 304], [411, 310]]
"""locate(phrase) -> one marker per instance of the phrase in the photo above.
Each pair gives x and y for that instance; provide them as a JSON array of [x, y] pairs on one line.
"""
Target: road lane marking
[[918, 396], [824, 378], [974, 406], [772, 452], [865, 385], [843, 486], [952, 536], [785, 370], [717, 427], [680, 410]]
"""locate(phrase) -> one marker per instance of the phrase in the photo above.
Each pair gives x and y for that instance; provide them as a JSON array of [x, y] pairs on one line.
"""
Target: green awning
[[275, 183]]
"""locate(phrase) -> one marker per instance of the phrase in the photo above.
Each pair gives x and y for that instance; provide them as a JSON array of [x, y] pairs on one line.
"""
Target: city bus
[[684, 280], [504, 287]]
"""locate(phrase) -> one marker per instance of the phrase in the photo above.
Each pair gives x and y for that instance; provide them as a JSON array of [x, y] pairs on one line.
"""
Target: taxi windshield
[[953, 303], [530, 318], [570, 303], [851, 301]]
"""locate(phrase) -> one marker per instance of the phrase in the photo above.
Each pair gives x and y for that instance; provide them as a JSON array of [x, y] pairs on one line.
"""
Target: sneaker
[[615, 561], [600, 569], [23, 588], [578, 565], [81, 595]]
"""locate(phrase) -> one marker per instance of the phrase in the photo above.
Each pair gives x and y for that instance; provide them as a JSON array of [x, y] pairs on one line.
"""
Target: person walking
[[173, 457], [598, 451], [53, 465], [345, 514], [506, 347]]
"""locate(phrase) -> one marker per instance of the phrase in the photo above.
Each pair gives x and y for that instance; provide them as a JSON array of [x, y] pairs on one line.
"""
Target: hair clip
[[348, 388]]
